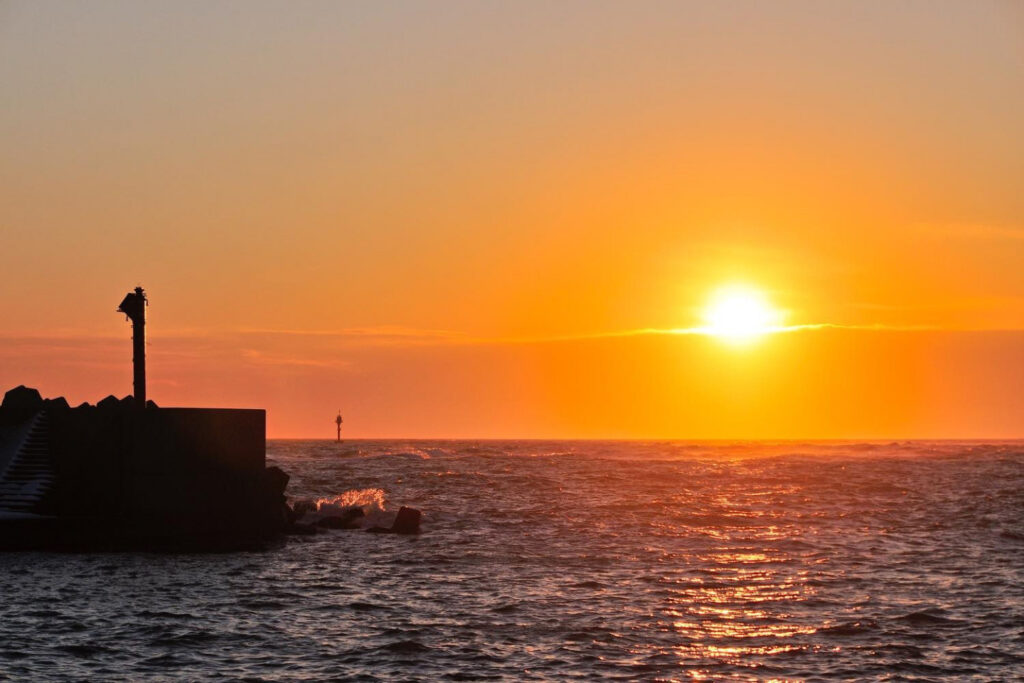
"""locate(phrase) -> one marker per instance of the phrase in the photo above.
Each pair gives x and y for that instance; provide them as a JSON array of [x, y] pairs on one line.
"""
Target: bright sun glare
[[740, 314]]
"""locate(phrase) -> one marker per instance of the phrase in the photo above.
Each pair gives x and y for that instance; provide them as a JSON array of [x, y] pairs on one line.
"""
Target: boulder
[[22, 397], [301, 507], [300, 529], [109, 403], [275, 480], [20, 403], [59, 403], [407, 521], [334, 522], [349, 519]]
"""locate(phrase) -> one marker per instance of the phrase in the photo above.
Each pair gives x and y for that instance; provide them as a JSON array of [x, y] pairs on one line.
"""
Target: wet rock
[[300, 529], [349, 519], [301, 507], [274, 506], [287, 514], [407, 521], [334, 523], [275, 480]]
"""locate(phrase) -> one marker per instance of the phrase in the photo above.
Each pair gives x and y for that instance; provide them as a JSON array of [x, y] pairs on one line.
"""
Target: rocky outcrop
[[349, 519], [20, 404]]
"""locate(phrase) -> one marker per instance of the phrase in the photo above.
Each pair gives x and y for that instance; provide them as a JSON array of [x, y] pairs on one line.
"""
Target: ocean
[[570, 560]]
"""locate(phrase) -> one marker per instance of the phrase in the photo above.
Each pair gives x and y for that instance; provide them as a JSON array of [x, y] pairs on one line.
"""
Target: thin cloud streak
[[261, 358], [413, 337], [975, 231]]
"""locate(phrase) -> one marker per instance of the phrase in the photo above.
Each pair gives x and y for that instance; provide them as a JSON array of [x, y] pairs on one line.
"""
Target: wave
[[369, 502], [850, 628]]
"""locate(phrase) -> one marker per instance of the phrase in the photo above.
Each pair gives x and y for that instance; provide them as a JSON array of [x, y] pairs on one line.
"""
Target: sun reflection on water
[[736, 603]]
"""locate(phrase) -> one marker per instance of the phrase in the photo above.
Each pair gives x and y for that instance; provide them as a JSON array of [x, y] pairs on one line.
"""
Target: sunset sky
[[507, 219]]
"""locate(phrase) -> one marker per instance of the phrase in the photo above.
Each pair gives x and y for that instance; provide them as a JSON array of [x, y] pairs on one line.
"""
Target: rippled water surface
[[572, 560]]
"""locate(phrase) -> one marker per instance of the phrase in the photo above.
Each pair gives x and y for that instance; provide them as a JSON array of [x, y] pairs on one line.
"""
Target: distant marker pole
[[337, 421]]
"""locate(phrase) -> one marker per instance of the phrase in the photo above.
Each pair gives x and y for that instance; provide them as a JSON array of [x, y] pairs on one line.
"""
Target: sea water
[[570, 561]]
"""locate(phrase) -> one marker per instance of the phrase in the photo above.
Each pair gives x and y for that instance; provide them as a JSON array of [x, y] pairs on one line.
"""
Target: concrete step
[[29, 475]]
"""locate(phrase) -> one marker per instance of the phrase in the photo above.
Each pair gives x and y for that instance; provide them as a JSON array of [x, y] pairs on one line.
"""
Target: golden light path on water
[[729, 602]]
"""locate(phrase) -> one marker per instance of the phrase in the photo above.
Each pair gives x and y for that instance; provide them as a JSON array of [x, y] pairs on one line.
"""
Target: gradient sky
[[477, 219]]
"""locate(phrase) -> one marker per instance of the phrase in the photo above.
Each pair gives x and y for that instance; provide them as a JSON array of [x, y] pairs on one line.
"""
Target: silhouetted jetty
[[125, 473]]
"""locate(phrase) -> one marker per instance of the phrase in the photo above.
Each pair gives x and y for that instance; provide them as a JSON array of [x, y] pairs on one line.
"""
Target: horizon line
[[835, 439]]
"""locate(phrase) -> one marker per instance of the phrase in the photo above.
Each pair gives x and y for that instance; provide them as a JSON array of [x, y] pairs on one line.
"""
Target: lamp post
[[134, 306]]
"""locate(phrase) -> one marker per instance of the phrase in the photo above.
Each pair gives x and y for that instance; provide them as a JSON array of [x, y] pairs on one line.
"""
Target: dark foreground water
[[572, 560]]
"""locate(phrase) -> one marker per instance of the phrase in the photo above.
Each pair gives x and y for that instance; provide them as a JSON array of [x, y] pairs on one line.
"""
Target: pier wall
[[165, 472]]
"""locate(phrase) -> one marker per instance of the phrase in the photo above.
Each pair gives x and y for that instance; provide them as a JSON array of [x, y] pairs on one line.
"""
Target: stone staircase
[[28, 476]]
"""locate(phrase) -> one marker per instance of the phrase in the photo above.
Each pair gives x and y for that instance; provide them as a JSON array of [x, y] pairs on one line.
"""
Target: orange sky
[[453, 219]]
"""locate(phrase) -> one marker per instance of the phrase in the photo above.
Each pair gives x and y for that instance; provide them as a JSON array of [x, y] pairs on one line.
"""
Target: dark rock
[[22, 396], [128, 402], [346, 520], [407, 521], [300, 529], [20, 403], [336, 523], [301, 507], [274, 505], [280, 519], [275, 480], [59, 403], [109, 403], [84, 404], [151, 404]]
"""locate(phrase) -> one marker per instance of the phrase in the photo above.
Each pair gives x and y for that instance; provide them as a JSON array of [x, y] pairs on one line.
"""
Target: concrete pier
[[121, 477]]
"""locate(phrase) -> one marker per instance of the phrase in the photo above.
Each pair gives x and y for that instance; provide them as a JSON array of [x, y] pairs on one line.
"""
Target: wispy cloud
[[390, 335], [975, 230], [413, 337], [262, 358]]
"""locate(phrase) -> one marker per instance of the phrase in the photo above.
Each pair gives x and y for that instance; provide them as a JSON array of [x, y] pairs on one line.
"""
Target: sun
[[739, 314]]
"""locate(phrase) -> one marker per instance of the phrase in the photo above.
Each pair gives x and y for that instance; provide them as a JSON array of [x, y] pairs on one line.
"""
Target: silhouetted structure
[[134, 306], [338, 421], [111, 476]]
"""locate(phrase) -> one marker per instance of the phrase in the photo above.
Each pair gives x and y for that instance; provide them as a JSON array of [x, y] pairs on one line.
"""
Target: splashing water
[[370, 500]]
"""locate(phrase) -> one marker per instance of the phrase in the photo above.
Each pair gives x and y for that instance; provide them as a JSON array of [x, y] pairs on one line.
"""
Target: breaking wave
[[370, 500]]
